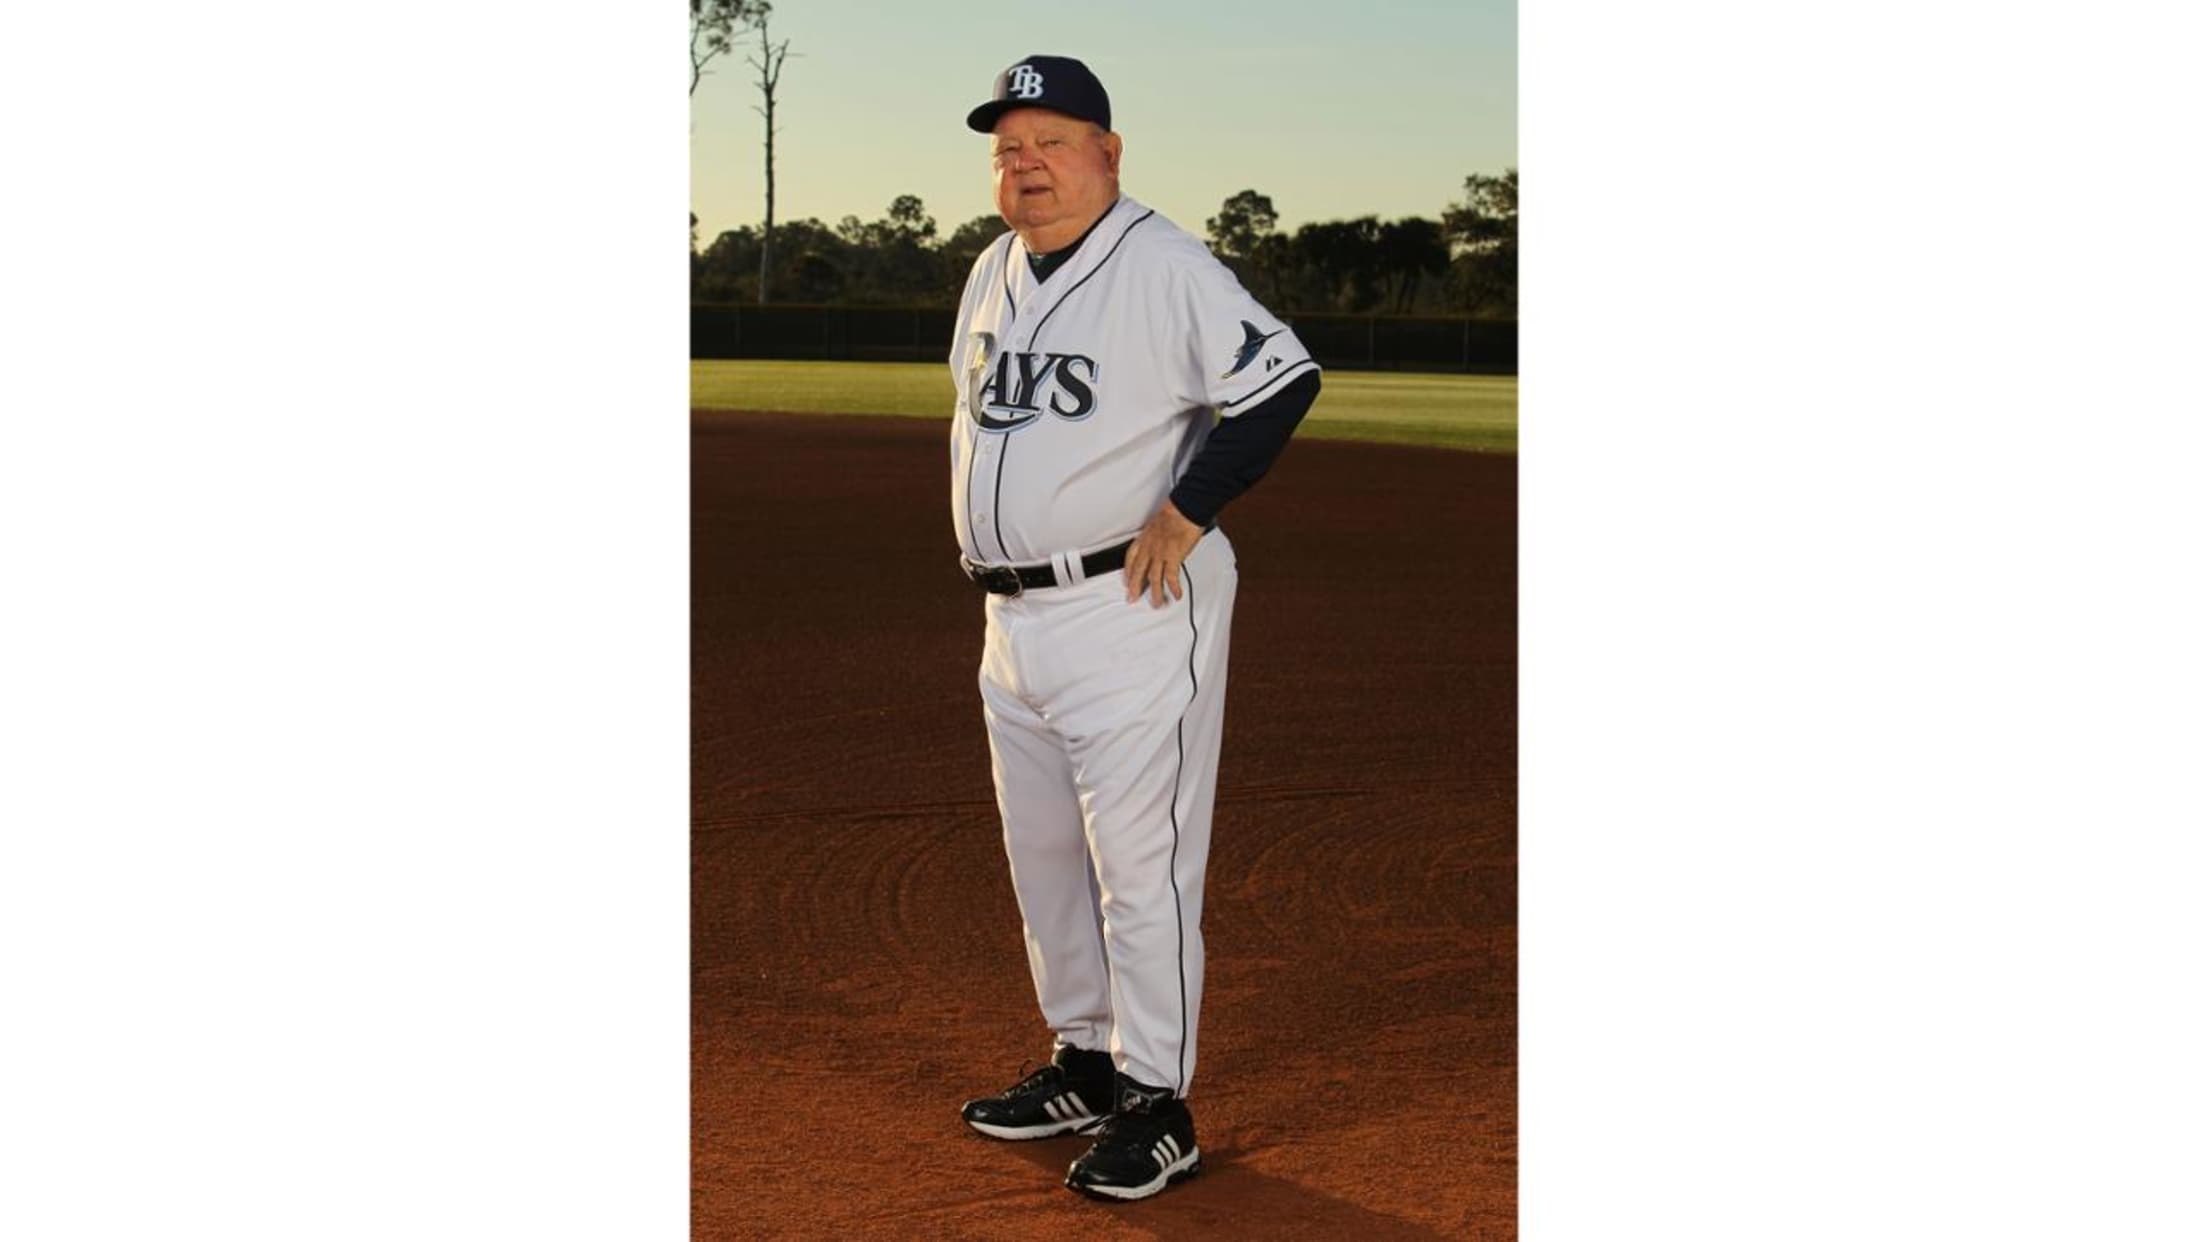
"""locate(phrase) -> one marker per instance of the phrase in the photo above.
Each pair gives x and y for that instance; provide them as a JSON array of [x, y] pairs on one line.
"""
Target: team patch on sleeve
[[1253, 342], [1240, 350], [1246, 353]]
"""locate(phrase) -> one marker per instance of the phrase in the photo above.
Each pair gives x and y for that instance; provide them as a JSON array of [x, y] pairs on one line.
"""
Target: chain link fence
[[923, 334]]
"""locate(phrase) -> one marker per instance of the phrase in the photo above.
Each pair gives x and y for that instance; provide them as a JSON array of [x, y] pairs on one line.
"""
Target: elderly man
[[1116, 389]]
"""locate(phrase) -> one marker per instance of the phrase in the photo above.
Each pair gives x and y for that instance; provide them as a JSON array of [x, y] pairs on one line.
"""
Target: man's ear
[[1112, 147]]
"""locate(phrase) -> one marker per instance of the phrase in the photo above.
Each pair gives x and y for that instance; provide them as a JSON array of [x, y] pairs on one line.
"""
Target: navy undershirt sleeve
[[1241, 449]]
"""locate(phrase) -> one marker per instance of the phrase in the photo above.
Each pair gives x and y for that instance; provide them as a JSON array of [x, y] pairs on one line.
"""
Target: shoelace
[[1132, 1129], [1049, 1074]]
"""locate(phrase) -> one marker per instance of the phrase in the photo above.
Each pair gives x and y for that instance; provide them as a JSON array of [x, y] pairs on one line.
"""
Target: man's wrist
[[1190, 510]]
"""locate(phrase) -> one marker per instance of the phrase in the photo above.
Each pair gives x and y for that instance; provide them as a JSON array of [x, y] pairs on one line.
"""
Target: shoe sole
[[1180, 1170], [1048, 1129]]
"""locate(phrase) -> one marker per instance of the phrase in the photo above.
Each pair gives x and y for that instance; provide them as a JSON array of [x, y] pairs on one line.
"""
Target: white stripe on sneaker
[[1172, 1149], [1079, 1106], [1051, 1106]]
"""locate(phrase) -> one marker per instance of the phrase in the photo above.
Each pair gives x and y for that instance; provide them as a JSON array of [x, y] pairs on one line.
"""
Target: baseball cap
[[1059, 83]]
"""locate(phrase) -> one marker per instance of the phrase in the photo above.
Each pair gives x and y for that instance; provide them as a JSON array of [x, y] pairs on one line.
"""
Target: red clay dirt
[[857, 961]]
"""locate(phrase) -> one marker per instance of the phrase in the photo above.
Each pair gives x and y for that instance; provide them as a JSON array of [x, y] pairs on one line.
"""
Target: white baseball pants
[[1104, 721]]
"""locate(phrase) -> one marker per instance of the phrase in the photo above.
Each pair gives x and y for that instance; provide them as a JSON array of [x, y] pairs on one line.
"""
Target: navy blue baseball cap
[[1059, 83]]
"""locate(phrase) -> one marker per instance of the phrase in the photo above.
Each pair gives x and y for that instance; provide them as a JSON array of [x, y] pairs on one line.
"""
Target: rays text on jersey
[[1024, 386]]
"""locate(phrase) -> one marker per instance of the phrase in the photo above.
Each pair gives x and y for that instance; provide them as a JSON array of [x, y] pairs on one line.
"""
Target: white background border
[[344, 511]]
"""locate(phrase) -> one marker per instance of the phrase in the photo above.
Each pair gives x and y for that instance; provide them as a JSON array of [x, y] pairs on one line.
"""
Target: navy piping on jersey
[[1037, 334], [1004, 442], [996, 504], [1292, 370], [1042, 265]]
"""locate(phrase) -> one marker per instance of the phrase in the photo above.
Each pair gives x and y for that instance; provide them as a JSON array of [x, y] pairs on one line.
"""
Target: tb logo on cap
[[1026, 83]]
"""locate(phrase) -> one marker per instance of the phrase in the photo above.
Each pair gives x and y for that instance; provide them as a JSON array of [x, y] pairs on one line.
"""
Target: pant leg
[[1048, 852], [1146, 762]]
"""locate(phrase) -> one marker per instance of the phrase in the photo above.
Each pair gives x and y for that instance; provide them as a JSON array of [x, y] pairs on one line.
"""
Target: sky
[[1377, 108]]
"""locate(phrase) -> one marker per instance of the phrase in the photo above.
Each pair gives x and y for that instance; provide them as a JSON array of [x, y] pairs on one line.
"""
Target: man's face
[[1051, 168]]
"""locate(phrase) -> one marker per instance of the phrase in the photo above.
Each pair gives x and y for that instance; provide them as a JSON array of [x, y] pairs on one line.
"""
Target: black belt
[[1013, 579]]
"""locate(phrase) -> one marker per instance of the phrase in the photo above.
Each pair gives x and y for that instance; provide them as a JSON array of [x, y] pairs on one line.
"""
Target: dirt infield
[[858, 967]]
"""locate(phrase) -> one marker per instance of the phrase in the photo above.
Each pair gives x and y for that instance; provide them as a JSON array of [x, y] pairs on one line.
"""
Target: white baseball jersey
[[1080, 401], [1082, 398]]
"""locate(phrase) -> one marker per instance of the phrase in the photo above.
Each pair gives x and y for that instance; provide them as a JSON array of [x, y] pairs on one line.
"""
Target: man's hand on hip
[[1154, 562]]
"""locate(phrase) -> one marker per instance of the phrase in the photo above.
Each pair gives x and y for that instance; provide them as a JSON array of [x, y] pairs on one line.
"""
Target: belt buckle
[[988, 577]]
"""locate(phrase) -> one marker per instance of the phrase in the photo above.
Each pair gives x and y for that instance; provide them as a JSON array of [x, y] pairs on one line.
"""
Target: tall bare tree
[[715, 26], [769, 64]]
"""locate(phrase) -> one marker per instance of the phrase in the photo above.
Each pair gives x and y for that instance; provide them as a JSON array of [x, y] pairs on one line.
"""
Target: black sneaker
[[1148, 1143], [1071, 1094]]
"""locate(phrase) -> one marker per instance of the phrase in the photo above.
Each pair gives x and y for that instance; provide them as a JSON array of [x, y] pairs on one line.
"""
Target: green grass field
[[1476, 412]]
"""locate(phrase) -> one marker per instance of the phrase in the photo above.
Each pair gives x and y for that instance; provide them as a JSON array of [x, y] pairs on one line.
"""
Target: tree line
[[1464, 263]]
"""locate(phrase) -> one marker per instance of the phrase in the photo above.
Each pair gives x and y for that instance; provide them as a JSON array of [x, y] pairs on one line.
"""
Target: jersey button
[[983, 519]]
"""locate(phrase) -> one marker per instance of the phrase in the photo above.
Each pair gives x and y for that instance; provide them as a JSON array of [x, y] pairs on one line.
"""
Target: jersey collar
[[1042, 265], [1032, 300]]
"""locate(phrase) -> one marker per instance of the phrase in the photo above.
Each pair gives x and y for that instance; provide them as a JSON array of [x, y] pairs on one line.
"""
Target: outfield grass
[[1477, 412]]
